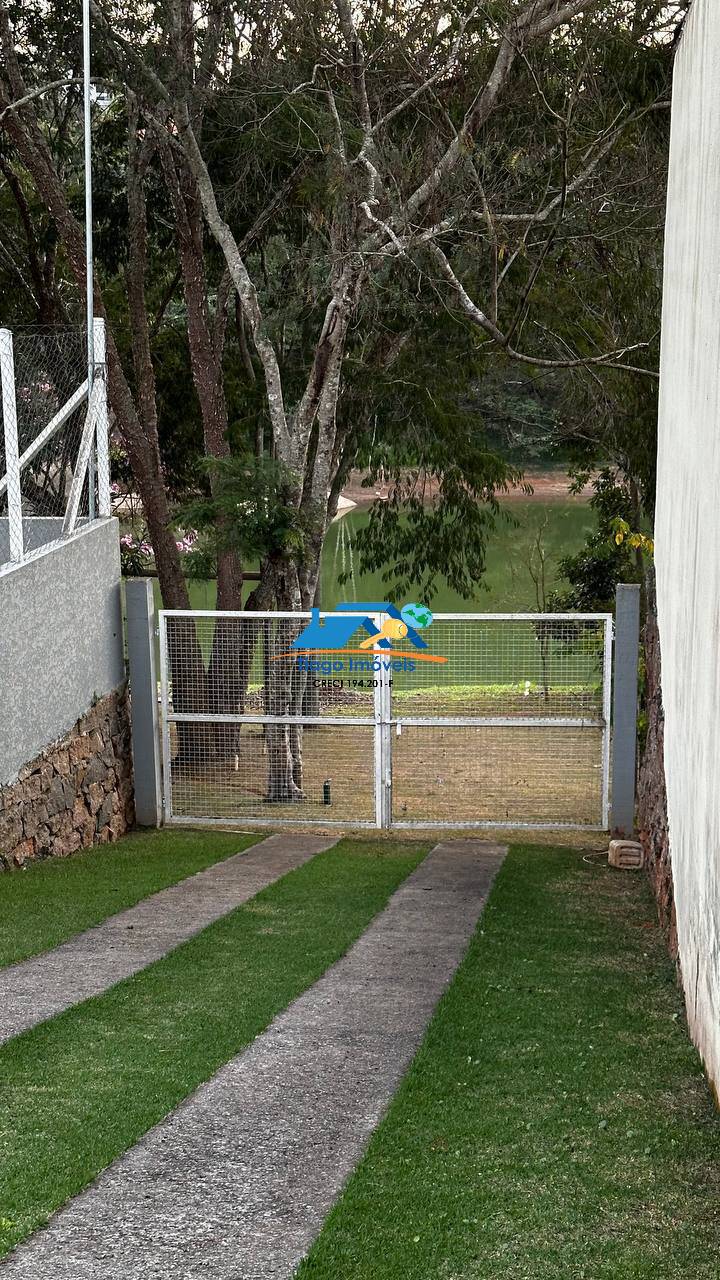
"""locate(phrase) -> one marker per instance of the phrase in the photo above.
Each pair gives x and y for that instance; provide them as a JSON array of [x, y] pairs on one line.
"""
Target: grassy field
[[555, 1124], [507, 585], [79, 1090], [48, 902]]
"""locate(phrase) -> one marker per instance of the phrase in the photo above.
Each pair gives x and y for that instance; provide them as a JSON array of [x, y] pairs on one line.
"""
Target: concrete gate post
[[625, 705], [141, 623]]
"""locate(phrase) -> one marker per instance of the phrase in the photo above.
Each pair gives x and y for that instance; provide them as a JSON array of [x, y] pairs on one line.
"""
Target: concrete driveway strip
[[236, 1183], [91, 962]]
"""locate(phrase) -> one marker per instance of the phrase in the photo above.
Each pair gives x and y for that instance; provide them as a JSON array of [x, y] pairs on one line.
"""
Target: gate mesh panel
[[504, 667], [277, 772], [246, 666], [467, 773], [239, 770]]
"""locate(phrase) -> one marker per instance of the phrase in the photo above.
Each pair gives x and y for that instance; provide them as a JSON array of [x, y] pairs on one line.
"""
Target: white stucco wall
[[688, 520]]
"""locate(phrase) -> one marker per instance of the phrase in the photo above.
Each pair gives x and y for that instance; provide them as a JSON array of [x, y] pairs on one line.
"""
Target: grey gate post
[[625, 704], [140, 607]]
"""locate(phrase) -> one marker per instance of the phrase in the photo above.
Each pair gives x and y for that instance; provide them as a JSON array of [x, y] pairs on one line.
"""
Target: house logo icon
[[335, 632]]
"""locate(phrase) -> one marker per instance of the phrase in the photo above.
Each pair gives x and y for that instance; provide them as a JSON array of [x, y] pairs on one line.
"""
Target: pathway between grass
[[48, 984], [237, 1182], [48, 902], [79, 1090], [556, 1123]]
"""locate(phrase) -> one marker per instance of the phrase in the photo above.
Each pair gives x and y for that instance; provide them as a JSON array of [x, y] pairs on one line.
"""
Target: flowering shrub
[[136, 554]]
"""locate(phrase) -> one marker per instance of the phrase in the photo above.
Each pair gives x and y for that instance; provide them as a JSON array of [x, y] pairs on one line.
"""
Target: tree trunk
[[652, 796], [284, 782]]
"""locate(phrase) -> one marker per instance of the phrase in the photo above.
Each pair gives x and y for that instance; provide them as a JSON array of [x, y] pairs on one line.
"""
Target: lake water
[[507, 585]]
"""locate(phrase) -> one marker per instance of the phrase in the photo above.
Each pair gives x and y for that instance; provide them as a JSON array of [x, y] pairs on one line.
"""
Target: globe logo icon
[[416, 615]]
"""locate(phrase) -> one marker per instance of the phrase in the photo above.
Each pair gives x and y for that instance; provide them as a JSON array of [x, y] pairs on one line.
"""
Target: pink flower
[[187, 543]]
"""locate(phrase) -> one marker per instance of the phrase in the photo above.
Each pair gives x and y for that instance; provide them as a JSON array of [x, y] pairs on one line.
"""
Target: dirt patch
[[547, 486], [452, 774]]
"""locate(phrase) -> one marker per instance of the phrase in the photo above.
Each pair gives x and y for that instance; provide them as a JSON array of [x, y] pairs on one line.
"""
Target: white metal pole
[[379, 743], [607, 713], [165, 721], [103, 453], [89, 275], [12, 462]]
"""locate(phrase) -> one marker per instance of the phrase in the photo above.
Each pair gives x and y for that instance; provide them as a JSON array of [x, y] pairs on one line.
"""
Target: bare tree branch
[[474, 313], [39, 93]]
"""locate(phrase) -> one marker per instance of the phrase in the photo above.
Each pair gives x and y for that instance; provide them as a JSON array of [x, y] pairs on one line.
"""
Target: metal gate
[[343, 718]]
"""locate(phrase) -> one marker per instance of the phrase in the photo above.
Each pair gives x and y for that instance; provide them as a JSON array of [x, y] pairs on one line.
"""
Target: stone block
[[43, 840], [80, 749], [117, 826], [627, 855], [11, 830], [32, 788], [61, 760], [96, 771], [34, 816], [105, 812], [24, 852], [95, 796], [56, 799], [47, 773], [79, 811], [87, 833], [67, 844]]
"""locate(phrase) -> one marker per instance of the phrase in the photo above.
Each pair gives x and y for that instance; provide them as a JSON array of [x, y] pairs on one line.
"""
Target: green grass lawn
[[79, 1090], [555, 1124], [47, 903]]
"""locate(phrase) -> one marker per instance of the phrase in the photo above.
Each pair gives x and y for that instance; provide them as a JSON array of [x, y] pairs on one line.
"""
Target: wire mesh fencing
[[549, 667], [48, 369], [52, 429], [251, 730], [493, 721]]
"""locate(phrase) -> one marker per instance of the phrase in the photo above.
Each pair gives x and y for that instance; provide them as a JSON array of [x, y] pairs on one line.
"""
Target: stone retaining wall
[[76, 793]]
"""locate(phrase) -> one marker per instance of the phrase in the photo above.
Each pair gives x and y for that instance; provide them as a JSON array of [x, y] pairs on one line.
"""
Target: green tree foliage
[[551, 224], [247, 510], [593, 573]]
